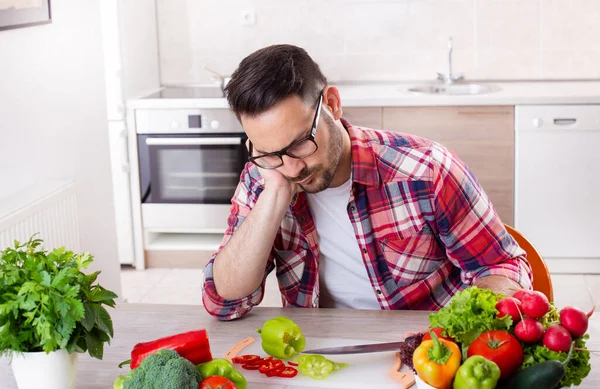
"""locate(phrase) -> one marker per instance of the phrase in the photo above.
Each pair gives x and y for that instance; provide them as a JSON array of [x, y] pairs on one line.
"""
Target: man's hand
[[275, 181]]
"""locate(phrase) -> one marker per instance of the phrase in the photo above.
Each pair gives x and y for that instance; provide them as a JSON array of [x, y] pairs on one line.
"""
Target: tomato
[[216, 382], [500, 347], [438, 331]]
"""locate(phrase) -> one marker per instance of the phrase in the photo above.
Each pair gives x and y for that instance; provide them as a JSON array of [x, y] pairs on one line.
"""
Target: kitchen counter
[[135, 322], [391, 94]]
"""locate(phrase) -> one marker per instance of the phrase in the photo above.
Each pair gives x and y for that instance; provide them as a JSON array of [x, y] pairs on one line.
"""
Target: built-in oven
[[190, 162]]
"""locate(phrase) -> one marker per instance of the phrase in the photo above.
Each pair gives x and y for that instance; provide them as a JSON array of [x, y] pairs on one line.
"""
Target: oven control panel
[[186, 121]]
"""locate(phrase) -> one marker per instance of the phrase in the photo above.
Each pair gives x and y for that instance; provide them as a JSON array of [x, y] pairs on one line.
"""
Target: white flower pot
[[56, 370]]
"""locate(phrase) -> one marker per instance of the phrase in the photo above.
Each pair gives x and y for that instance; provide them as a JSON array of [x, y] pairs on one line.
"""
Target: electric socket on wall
[[248, 17]]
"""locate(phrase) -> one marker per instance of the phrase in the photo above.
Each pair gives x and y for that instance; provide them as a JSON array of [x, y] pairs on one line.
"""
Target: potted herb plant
[[50, 311]]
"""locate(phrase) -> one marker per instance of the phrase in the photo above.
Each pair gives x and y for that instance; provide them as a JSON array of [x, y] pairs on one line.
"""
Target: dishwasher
[[557, 184]]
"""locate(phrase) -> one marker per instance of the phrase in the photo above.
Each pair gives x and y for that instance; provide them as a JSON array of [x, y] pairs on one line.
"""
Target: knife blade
[[360, 348]]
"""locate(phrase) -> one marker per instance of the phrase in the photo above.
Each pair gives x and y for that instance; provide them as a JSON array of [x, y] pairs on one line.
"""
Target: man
[[348, 216]]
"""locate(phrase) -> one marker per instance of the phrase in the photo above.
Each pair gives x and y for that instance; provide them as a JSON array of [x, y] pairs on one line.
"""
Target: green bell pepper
[[281, 337], [477, 373], [224, 368]]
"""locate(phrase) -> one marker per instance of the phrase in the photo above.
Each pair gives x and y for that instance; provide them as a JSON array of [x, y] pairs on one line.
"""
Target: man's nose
[[291, 166]]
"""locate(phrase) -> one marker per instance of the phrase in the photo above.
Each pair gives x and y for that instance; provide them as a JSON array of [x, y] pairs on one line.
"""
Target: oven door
[[191, 169]]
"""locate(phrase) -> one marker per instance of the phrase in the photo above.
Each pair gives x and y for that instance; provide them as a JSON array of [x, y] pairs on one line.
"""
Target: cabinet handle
[[564, 121], [483, 113]]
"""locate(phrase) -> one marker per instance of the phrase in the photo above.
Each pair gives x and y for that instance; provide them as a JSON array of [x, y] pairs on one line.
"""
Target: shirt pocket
[[412, 258]]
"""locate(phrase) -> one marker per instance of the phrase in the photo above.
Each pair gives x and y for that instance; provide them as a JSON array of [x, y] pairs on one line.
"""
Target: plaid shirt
[[425, 228]]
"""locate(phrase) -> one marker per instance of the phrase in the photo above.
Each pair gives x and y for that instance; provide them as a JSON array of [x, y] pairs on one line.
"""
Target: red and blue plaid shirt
[[425, 228]]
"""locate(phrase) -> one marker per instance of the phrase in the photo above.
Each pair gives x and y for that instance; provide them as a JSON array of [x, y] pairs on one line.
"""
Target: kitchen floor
[[183, 286]]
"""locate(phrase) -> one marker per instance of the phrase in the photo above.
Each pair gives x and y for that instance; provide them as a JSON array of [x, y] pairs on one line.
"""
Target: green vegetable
[[545, 375], [317, 367], [477, 373], [575, 371], [281, 337], [469, 313], [551, 317], [224, 368], [47, 303], [164, 369]]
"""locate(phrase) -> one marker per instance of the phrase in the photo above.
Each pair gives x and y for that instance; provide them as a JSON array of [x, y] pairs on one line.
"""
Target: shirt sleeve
[[468, 225], [244, 199]]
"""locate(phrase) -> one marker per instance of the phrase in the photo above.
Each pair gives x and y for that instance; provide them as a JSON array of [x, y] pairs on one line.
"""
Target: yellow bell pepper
[[436, 361]]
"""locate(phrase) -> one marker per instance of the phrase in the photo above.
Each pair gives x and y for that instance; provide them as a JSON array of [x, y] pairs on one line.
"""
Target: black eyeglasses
[[302, 148]]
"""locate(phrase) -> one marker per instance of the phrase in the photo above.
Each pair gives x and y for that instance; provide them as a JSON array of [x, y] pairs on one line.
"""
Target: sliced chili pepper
[[245, 359], [292, 363], [288, 372], [250, 367], [275, 372], [271, 365]]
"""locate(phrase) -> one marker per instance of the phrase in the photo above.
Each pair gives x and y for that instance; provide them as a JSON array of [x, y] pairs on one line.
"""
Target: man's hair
[[270, 75]]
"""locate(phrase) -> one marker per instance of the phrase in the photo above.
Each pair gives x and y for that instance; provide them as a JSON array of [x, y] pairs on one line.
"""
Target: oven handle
[[192, 141]]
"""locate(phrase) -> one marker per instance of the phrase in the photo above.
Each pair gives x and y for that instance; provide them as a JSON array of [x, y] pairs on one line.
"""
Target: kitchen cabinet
[[482, 136], [371, 117]]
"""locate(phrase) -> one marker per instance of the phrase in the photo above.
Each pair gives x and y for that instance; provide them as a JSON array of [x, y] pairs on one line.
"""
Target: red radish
[[519, 294], [529, 330], [535, 304], [509, 306], [574, 320], [557, 338]]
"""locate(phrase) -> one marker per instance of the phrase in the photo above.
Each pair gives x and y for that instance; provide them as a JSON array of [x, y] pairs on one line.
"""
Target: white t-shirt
[[344, 282]]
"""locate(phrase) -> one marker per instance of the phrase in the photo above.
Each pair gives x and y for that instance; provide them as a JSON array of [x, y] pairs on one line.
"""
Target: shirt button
[[378, 291], [301, 219], [352, 208], [365, 250]]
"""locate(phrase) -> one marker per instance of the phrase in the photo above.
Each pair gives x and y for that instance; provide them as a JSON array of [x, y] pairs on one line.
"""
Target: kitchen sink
[[455, 89]]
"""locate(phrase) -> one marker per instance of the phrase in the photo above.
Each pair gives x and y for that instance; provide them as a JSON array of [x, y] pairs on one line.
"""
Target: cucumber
[[545, 375]]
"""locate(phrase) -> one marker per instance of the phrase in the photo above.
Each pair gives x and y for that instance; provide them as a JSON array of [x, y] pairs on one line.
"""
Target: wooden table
[[141, 322]]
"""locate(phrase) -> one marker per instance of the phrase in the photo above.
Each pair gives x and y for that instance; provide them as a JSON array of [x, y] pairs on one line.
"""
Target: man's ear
[[331, 98]]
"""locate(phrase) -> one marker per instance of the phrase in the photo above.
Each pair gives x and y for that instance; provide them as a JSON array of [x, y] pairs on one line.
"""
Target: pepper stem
[[439, 352]]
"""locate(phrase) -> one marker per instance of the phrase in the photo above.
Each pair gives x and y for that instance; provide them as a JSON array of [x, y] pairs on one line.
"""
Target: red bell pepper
[[193, 346]]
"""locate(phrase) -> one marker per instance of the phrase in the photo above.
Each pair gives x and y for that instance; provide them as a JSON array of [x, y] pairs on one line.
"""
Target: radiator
[[48, 208]]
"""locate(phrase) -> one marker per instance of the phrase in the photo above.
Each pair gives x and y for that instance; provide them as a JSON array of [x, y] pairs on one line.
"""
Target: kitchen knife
[[360, 348]]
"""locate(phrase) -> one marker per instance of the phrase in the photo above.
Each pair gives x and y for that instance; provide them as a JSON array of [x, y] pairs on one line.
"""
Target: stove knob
[[214, 124], [537, 122], [174, 125]]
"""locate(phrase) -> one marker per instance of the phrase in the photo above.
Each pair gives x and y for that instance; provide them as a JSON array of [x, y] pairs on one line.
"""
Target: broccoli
[[164, 369]]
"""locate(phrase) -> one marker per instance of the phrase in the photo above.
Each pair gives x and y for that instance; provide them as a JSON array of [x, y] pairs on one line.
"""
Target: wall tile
[[509, 25], [386, 39], [570, 25], [566, 63]]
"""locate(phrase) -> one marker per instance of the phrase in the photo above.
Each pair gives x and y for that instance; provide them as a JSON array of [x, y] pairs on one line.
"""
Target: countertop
[[392, 94], [137, 322]]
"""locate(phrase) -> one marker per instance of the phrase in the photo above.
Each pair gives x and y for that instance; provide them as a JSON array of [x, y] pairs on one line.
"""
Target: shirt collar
[[364, 163]]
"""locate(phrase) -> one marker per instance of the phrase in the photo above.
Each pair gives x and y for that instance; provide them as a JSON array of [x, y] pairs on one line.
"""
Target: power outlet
[[248, 18]]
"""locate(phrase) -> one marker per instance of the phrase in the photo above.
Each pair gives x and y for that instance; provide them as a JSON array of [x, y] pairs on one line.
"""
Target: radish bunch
[[534, 305]]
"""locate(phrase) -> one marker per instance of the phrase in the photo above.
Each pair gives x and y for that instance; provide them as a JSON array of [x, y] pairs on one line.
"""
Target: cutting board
[[364, 370]]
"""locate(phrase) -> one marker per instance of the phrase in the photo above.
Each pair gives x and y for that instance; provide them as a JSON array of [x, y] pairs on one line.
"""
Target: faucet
[[219, 78], [449, 78]]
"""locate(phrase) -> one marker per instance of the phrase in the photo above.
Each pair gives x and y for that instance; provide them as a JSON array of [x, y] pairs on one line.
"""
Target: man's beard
[[324, 174]]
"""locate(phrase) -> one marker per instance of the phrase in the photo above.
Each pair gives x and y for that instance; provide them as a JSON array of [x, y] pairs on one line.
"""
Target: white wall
[[53, 120], [387, 39]]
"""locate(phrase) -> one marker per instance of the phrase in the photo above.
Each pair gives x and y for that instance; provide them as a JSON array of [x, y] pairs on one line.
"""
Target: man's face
[[290, 121]]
